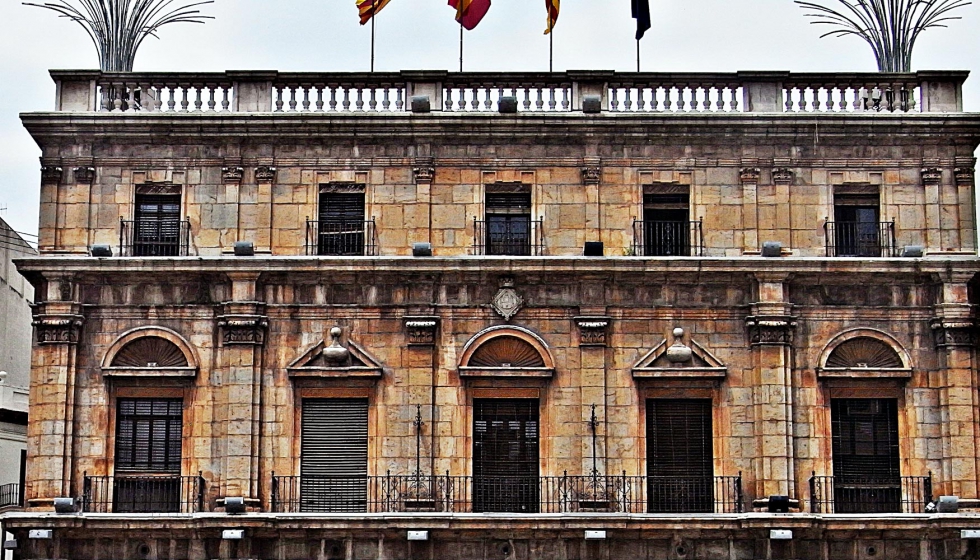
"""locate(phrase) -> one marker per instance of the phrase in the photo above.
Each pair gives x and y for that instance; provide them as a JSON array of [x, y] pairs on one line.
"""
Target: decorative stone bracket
[[424, 170], [58, 323], [593, 331], [964, 176], [953, 333], [84, 175], [243, 323], [421, 330], [770, 330], [232, 175], [265, 174], [782, 176], [749, 175], [51, 175], [592, 171], [932, 176]]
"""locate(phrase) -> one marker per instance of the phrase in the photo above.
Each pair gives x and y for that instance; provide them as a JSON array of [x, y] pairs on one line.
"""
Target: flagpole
[[637, 55], [461, 46], [372, 40], [551, 50]]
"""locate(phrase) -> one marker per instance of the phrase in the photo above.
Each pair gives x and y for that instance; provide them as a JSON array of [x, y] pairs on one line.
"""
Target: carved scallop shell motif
[[150, 351], [864, 352], [506, 351]]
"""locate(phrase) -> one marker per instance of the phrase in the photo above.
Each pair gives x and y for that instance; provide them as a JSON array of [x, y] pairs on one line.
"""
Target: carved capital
[[421, 330], [243, 329], [749, 175], [84, 175], [932, 176], [58, 323], [964, 176], [593, 331], [771, 331], [425, 171], [782, 176], [265, 174], [232, 175], [51, 175], [592, 174], [953, 333]]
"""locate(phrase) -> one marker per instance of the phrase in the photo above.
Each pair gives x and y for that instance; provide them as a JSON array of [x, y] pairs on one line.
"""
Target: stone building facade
[[373, 311]]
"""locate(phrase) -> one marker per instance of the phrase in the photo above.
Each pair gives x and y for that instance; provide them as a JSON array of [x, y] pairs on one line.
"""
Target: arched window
[[150, 352], [864, 353], [507, 352]]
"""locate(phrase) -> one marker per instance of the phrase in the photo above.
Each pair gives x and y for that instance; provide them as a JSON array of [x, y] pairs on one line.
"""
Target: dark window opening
[[867, 476], [505, 455], [508, 224], [341, 227], [857, 228], [679, 456], [666, 225], [157, 227]]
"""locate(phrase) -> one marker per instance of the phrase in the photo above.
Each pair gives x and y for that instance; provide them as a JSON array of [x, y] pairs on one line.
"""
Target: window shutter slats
[[149, 435]]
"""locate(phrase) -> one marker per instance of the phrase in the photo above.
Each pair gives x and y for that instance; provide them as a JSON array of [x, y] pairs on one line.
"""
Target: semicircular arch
[[142, 344], [506, 346], [865, 348]]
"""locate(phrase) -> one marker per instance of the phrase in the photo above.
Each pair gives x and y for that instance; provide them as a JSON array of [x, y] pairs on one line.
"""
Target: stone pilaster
[[57, 322], [749, 178], [238, 403], [770, 328], [954, 327]]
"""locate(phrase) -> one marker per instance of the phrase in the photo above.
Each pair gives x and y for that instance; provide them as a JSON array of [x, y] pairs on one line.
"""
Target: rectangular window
[[667, 225], [867, 476], [157, 227], [149, 435], [505, 455], [508, 223], [341, 229], [334, 456], [857, 228], [679, 456]]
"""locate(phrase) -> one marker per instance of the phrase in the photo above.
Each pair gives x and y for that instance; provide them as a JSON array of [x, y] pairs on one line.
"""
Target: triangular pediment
[[314, 363], [655, 363]]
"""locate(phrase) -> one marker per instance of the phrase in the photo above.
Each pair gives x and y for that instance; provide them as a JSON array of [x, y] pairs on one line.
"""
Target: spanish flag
[[368, 8], [552, 7], [470, 12]]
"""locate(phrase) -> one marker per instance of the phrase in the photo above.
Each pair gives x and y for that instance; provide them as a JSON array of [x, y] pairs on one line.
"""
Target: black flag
[[641, 13]]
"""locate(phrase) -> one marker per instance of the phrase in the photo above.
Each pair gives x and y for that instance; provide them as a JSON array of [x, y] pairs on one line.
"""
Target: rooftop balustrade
[[535, 92]]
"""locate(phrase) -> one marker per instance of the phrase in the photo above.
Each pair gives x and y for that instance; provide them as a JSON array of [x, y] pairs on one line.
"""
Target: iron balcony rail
[[341, 238], [154, 237], [905, 494], [510, 494], [11, 496], [668, 239], [143, 494], [860, 239], [517, 238]]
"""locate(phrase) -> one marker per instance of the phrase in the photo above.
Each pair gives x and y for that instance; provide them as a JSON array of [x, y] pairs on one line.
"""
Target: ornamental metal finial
[[118, 27], [890, 28]]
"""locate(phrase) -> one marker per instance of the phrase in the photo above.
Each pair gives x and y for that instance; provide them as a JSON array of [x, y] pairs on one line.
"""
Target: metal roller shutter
[[333, 460], [679, 456]]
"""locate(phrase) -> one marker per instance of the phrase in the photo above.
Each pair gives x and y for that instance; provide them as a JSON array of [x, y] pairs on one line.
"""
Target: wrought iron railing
[[350, 238], [905, 494], [143, 494], [152, 237], [860, 239], [11, 495], [518, 238], [694, 494], [512, 494], [668, 239]]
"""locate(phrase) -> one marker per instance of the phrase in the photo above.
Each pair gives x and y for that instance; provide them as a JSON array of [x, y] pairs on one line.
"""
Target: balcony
[[668, 239], [510, 237], [906, 494], [143, 494], [11, 496], [341, 238], [514, 494], [152, 237], [860, 239]]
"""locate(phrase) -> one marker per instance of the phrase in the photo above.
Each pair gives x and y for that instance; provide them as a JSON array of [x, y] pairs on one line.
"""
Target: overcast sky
[[324, 35]]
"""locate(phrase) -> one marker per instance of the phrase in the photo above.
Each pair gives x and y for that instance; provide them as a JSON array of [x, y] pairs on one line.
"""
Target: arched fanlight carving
[[150, 351], [864, 352], [506, 352]]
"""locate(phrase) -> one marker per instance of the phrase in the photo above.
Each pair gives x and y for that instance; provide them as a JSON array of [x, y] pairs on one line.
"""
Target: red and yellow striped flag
[[470, 12], [552, 7], [368, 8]]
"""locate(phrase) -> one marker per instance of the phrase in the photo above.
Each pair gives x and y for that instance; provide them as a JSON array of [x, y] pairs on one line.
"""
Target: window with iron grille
[[867, 477], [857, 231], [508, 223], [666, 225], [679, 456], [149, 435], [341, 228], [157, 227], [505, 455]]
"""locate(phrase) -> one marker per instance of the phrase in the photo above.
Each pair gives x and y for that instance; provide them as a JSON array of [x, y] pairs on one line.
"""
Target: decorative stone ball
[[678, 332], [678, 352], [335, 353]]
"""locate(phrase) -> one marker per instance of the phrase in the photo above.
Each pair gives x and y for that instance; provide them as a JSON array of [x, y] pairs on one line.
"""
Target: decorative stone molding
[[593, 331], [864, 353], [51, 175], [750, 175], [150, 351], [505, 351], [953, 333], [84, 175], [243, 329], [421, 330], [58, 323], [770, 330], [782, 176], [265, 174], [507, 302], [679, 360], [425, 171], [232, 175], [932, 176], [337, 360], [592, 171], [964, 176]]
